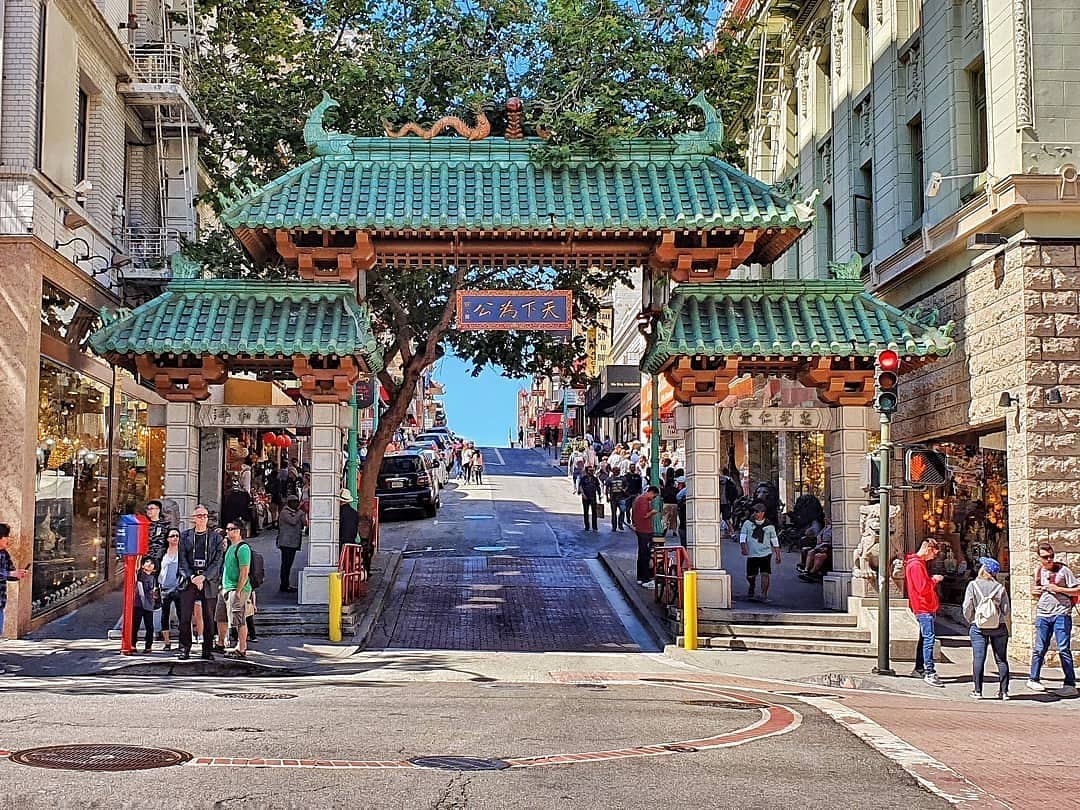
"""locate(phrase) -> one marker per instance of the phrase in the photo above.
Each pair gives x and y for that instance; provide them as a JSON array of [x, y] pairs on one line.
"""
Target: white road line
[[498, 455], [931, 773]]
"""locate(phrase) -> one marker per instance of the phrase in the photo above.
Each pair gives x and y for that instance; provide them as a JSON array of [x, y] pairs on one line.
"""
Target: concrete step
[[771, 617], [807, 632], [786, 645], [303, 620]]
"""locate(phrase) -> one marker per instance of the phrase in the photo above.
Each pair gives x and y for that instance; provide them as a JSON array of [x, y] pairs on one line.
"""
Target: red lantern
[[284, 441], [270, 440]]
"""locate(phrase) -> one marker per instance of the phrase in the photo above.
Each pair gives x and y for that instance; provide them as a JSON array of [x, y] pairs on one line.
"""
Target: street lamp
[[655, 290]]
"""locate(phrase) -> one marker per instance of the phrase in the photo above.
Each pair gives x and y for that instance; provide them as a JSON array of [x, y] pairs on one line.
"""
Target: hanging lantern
[[270, 439]]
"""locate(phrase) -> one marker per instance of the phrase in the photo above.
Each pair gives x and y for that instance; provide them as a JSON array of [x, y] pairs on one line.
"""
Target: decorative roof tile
[[230, 318], [787, 319]]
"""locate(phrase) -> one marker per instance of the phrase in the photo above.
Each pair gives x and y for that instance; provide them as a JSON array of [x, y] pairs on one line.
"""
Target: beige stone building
[[942, 140], [98, 176]]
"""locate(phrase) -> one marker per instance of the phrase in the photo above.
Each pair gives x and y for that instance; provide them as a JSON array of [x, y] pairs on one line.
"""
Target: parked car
[[407, 481], [435, 460]]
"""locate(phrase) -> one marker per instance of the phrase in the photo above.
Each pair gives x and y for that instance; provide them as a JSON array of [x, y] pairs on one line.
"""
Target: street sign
[[543, 310], [365, 391]]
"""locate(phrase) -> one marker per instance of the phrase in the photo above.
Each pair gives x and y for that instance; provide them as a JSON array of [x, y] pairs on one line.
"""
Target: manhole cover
[[594, 686], [99, 757], [256, 695], [245, 729], [459, 763], [721, 704]]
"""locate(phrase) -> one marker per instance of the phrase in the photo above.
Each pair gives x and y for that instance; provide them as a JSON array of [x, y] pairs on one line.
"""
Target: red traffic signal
[[888, 360], [925, 467]]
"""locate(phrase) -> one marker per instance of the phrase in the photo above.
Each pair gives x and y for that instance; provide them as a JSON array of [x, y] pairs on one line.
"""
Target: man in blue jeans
[[923, 599], [1055, 585]]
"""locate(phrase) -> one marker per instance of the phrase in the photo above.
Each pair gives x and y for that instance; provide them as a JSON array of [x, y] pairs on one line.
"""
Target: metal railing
[[669, 564], [162, 63], [150, 248], [353, 567]]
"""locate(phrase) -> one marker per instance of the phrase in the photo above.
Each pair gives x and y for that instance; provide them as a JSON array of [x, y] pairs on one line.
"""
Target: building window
[[82, 127], [915, 145], [791, 132], [823, 92], [39, 132], [980, 154], [826, 237], [861, 52], [863, 211], [913, 17]]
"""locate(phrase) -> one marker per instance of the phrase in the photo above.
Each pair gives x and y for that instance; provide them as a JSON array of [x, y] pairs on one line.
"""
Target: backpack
[[257, 569], [987, 612], [731, 490]]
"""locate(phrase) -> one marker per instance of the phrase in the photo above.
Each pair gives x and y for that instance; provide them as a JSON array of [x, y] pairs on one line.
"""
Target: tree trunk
[[376, 449]]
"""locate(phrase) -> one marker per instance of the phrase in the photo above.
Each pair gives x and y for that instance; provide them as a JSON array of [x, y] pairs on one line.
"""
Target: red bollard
[[131, 568]]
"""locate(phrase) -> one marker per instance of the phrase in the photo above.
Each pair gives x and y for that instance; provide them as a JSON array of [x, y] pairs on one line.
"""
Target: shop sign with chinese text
[[803, 419], [546, 310], [256, 417]]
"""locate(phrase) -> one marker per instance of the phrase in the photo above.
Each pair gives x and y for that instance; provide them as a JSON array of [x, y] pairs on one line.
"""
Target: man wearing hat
[[760, 545], [348, 519]]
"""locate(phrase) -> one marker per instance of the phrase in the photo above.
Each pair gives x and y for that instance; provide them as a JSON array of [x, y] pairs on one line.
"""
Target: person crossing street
[[589, 487]]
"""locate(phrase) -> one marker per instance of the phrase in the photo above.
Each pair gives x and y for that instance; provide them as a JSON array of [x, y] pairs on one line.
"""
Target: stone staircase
[[778, 631], [304, 620]]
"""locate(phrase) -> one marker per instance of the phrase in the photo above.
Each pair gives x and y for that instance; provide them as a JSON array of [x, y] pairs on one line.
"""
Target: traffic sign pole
[[884, 557]]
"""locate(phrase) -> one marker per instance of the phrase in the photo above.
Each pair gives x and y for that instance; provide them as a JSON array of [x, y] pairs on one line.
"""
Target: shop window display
[[71, 493], [140, 471], [970, 515]]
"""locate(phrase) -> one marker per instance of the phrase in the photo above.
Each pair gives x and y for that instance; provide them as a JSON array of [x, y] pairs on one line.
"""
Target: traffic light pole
[[884, 557]]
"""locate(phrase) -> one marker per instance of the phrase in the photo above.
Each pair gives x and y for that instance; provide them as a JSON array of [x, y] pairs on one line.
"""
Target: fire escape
[[765, 149], [163, 47]]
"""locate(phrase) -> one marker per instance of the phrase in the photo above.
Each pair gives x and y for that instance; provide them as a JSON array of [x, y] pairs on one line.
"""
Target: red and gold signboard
[[543, 310]]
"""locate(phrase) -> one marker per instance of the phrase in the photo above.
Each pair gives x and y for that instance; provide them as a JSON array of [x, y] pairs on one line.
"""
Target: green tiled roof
[[495, 184], [256, 318], [787, 319]]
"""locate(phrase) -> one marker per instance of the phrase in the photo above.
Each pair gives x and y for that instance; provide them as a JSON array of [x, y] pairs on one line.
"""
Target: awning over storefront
[[615, 383], [667, 401], [553, 420]]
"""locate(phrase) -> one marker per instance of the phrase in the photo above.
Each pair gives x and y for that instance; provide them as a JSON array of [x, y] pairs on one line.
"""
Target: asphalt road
[[577, 727]]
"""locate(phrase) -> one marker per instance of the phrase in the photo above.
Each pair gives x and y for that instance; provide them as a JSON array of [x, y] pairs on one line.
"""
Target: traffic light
[[886, 368], [924, 467]]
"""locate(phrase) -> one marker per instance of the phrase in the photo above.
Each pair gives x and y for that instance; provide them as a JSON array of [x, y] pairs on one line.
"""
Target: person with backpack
[[616, 494], [1057, 589], [986, 608], [236, 586]]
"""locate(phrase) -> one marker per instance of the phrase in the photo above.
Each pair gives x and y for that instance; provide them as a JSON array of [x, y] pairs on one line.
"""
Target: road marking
[[479, 517], [931, 773], [494, 548], [498, 455]]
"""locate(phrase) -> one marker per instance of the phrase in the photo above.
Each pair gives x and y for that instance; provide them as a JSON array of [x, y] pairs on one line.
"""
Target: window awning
[[550, 420]]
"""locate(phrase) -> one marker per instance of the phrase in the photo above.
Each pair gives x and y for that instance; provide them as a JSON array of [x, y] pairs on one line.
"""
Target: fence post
[[690, 610], [335, 606]]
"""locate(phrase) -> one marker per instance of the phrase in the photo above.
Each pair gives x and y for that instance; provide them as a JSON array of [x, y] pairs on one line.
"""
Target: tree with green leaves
[[591, 73]]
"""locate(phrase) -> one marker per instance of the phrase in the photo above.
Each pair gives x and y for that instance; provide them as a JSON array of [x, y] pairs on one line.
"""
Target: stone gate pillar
[[182, 458], [846, 447], [325, 485], [703, 463]]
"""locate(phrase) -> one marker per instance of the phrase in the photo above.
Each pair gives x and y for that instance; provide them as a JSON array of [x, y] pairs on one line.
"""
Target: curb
[[632, 592], [199, 668], [378, 596]]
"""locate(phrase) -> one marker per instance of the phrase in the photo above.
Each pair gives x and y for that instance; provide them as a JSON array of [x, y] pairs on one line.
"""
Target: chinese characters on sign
[[774, 419], [254, 416], [546, 310]]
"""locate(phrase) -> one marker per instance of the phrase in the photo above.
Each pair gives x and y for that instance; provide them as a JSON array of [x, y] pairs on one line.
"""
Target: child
[[146, 601]]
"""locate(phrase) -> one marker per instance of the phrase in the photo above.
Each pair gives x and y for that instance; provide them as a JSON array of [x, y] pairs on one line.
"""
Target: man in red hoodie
[[923, 598]]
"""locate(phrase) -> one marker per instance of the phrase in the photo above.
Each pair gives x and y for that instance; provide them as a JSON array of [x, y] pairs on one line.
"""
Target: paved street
[[506, 641]]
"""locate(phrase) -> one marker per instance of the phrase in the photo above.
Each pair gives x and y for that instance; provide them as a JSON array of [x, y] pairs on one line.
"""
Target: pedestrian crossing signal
[[927, 468]]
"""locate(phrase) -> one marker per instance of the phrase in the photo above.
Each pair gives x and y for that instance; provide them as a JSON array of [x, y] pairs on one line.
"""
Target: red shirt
[[639, 513], [921, 589]]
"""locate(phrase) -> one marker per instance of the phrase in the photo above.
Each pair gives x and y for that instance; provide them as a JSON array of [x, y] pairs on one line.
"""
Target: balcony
[[149, 250], [164, 76]]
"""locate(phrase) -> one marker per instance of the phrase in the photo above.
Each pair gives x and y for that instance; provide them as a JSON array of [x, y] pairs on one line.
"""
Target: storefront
[[969, 515], [96, 457]]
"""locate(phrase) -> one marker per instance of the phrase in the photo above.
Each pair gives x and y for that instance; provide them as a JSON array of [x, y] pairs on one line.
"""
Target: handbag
[[600, 509]]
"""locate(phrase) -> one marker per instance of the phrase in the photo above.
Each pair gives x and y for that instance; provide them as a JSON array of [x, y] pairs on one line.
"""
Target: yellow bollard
[[335, 606], [689, 593]]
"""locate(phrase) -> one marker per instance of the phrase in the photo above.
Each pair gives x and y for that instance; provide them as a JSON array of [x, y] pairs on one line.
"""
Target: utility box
[[132, 535]]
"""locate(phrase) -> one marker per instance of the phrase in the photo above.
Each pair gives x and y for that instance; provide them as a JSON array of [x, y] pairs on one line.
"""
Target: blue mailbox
[[132, 535]]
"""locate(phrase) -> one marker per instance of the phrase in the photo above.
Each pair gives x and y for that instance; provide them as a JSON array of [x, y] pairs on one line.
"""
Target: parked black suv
[[407, 482]]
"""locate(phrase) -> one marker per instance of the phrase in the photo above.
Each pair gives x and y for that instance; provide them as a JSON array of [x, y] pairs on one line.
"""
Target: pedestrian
[[348, 519], [147, 599], [291, 522], [466, 461], [641, 514], [236, 587], [236, 505], [607, 447], [521, 437], [986, 609], [616, 495], [159, 527], [632, 484], [589, 487], [730, 492], [1056, 587], [923, 599], [669, 494], [576, 466], [761, 547], [455, 473], [169, 583], [200, 573], [8, 571], [680, 497], [478, 466]]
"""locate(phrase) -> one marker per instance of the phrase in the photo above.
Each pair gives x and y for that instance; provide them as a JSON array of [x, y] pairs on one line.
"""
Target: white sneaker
[[646, 584], [1067, 691], [1035, 686], [933, 679]]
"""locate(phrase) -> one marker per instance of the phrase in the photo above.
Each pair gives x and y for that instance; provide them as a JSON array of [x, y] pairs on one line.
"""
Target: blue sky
[[479, 408]]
